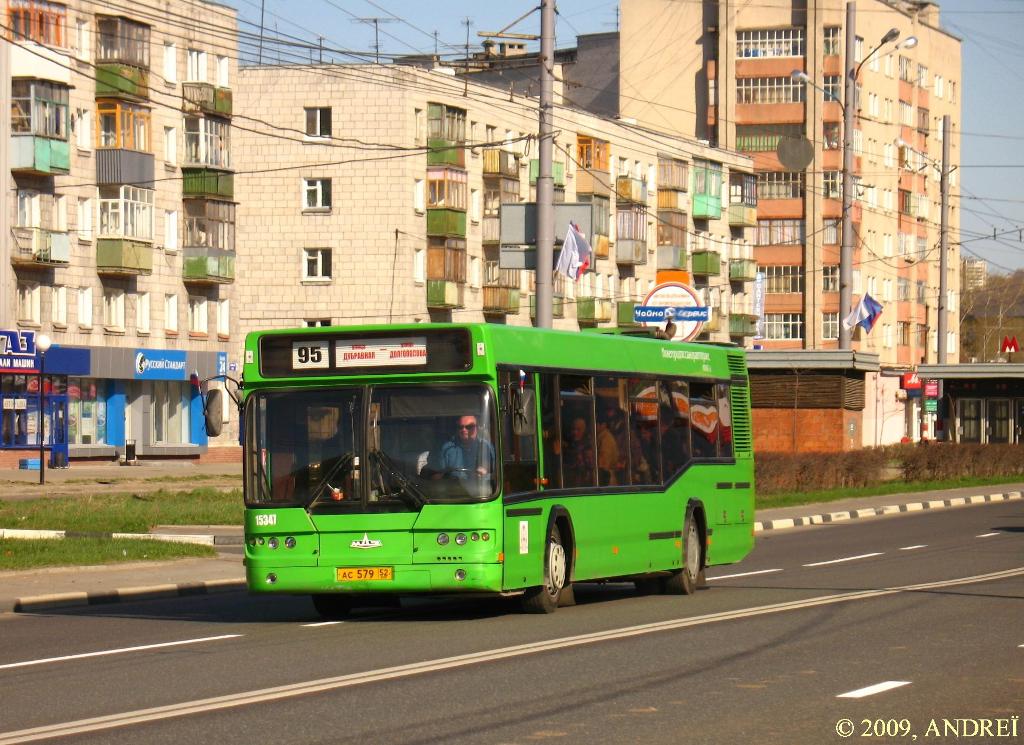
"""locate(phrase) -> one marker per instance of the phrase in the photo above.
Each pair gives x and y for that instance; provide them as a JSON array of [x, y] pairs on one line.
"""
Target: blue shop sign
[[160, 364], [657, 313]]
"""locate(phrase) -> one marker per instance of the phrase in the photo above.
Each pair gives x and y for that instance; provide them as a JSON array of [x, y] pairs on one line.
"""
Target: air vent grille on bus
[[737, 366], [742, 440]]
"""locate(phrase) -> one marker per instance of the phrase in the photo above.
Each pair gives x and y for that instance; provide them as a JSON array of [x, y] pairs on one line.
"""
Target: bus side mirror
[[523, 411], [213, 408]]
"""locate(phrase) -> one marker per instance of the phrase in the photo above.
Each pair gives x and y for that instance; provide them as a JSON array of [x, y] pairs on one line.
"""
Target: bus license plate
[[364, 574]]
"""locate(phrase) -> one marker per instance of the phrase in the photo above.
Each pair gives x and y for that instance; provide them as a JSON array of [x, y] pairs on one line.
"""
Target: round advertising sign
[[675, 295]]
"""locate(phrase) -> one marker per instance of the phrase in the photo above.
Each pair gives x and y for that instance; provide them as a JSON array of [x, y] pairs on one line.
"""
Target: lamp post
[[848, 107], [42, 346]]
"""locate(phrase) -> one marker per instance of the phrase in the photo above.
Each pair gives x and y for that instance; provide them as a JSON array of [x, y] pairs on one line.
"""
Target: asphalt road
[[765, 655]]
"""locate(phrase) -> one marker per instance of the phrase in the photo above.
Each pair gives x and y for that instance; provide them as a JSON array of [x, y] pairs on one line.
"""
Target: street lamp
[[42, 346], [848, 106]]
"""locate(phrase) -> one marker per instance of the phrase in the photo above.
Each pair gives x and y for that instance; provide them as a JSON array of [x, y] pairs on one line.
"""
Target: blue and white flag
[[865, 314]]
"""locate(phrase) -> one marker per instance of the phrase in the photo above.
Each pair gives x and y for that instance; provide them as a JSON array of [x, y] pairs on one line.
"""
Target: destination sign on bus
[[410, 350]]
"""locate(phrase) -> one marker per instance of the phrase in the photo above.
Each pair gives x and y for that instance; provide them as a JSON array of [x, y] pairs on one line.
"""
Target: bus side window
[[675, 428], [518, 451], [644, 443], [550, 434], [704, 419], [724, 421], [579, 454]]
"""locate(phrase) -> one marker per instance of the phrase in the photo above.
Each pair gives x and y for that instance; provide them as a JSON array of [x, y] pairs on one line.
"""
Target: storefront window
[[87, 412], [170, 413]]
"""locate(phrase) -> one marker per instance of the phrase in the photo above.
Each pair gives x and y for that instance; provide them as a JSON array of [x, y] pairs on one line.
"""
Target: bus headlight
[[442, 539], [460, 538], [273, 543], [460, 575], [289, 542]]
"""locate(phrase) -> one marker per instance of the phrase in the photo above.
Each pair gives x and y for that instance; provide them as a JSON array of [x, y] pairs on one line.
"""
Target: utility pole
[[846, 248], [263, 8], [545, 184], [467, 22], [376, 32], [943, 241]]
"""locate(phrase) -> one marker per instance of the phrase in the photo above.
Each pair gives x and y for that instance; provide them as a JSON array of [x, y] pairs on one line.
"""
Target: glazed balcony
[[208, 266], [116, 165], [742, 325], [741, 215], [624, 313], [499, 162], [39, 156], [557, 172], [441, 152], [672, 257], [491, 230], [205, 98], [706, 263], [628, 189], [557, 306], [446, 222], [742, 270], [444, 294], [678, 201], [123, 257], [707, 206], [207, 182], [118, 80], [40, 247], [501, 300], [592, 310], [589, 181], [630, 252]]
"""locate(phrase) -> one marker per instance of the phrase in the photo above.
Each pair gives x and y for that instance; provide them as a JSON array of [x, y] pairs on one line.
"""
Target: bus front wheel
[[685, 581], [544, 599]]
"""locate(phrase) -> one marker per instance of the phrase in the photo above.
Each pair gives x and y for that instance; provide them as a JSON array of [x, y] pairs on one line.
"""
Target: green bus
[[482, 458]]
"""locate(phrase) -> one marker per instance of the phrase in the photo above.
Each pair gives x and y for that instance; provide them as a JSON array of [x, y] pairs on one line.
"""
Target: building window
[[171, 145], [195, 70], [906, 202], [39, 21], [82, 35], [672, 229], [312, 323], [170, 230], [39, 108], [833, 183], [631, 224], [317, 193], [830, 325], [210, 224], [783, 326], [779, 232], [832, 44], [446, 123], [198, 322], [833, 87], [142, 313], [85, 307], [59, 305], [446, 188], [419, 195], [707, 178], [207, 142], [223, 71], [171, 314], [87, 412], [906, 72], [743, 189], [316, 263], [782, 280], [830, 278], [775, 42], [780, 185], [126, 212], [446, 259], [769, 90], [83, 129], [903, 333], [419, 265], [170, 411], [28, 215], [170, 62], [28, 302], [122, 41], [592, 153], [760, 138], [318, 122], [122, 125], [113, 309], [906, 114], [831, 137], [224, 317]]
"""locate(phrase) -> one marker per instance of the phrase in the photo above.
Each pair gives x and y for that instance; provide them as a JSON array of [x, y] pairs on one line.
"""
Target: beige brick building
[[376, 196], [727, 78], [118, 229]]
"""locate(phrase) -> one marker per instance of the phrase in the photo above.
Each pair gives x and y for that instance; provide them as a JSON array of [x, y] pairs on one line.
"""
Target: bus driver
[[465, 454]]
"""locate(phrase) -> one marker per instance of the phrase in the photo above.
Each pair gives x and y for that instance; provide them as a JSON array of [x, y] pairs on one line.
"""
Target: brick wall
[[221, 455], [805, 430]]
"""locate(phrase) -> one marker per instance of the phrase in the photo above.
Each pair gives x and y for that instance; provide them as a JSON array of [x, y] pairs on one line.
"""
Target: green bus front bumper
[[408, 579]]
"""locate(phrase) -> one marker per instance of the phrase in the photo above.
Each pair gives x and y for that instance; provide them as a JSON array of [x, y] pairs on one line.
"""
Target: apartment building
[[375, 194], [118, 228], [728, 78]]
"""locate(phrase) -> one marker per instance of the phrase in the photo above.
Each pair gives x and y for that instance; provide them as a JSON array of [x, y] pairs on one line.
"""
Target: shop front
[[983, 402]]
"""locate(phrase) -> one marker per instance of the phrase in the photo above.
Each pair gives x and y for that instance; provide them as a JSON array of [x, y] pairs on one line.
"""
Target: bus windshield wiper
[[407, 491], [325, 487]]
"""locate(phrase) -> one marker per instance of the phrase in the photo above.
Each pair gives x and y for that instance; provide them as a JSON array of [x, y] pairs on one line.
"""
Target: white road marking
[[877, 688], [986, 535], [912, 548], [123, 650], [744, 574], [845, 558], [321, 623], [277, 693]]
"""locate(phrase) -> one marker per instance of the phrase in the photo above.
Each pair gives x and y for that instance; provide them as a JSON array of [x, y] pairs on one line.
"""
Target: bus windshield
[[371, 448]]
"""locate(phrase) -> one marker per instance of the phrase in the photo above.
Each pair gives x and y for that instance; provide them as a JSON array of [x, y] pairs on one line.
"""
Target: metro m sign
[[1009, 345], [910, 382]]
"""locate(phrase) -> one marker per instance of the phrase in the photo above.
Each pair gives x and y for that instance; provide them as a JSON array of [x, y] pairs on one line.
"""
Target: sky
[[991, 180]]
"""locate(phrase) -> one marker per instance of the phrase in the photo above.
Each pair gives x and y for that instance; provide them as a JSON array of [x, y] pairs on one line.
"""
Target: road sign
[[931, 405], [931, 388], [658, 314]]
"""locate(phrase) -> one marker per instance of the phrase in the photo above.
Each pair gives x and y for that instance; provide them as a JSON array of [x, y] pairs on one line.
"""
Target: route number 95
[[310, 355]]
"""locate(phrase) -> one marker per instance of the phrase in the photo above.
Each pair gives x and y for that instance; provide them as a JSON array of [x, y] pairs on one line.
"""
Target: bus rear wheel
[[687, 580], [332, 606], [544, 599]]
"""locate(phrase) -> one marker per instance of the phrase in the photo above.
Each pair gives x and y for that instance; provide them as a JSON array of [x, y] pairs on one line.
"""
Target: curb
[[76, 599], [892, 509], [196, 538]]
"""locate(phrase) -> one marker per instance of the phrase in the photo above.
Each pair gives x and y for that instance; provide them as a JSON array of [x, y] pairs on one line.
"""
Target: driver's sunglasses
[[468, 427]]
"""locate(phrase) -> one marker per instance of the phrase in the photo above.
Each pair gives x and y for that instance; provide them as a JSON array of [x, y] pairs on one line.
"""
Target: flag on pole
[[865, 314], [575, 256]]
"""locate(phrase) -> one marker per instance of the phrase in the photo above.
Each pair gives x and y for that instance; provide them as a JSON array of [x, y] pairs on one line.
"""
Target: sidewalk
[[61, 587]]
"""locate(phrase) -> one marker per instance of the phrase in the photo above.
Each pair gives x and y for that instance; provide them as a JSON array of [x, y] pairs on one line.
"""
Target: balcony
[[120, 80], [601, 246], [501, 300], [442, 152], [491, 230], [208, 266], [630, 252], [205, 98], [121, 166], [742, 270], [557, 306], [123, 257], [713, 324], [593, 182], [706, 263], [678, 201], [591, 310], [446, 222], [207, 182], [672, 257], [445, 294], [741, 215], [557, 172], [742, 325], [624, 313], [707, 207], [40, 156], [631, 190], [40, 247], [499, 162]]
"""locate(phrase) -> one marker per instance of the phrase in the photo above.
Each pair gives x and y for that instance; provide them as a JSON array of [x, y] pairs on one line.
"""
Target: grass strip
[[31, 554], [125, 513], [794, 499]]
